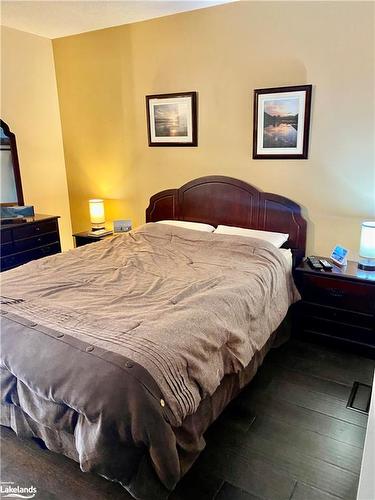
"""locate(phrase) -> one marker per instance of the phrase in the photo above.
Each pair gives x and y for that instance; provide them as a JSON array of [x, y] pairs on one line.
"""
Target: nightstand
[[83, 238], [337, 307]]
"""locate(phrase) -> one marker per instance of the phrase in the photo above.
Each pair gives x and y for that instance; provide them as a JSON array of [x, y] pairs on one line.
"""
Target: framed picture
[[172, 119], [281, 122]]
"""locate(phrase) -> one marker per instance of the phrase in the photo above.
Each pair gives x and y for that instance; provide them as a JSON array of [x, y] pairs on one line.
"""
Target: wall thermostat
[[122, 226]]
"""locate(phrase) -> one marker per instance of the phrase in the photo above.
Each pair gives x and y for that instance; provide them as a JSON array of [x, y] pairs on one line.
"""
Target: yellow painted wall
[[29, 105], [224, 53], [95, 92]]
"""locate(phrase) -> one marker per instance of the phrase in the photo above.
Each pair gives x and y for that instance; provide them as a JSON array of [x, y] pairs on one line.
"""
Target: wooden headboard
[[218, 199]]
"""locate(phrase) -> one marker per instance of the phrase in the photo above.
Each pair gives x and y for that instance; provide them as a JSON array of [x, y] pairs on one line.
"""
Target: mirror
[[10, 178]]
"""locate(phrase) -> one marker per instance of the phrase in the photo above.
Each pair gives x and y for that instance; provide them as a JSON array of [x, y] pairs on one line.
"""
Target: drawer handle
[[37, 228], [335, 292]]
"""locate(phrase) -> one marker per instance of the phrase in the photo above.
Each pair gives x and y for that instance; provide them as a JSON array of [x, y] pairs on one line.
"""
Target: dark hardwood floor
[[288, 436]]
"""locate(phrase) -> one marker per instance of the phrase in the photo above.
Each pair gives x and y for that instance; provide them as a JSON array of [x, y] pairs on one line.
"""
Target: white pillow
[[277, 239], [198, 226]]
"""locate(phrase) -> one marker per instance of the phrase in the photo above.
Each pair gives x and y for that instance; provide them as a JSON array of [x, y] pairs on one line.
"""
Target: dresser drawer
[[47, 250], [339, 315], [341, 330], [5, 236], [6, 249], [21, 258], [34, 229], [35, 241], [339, 293]]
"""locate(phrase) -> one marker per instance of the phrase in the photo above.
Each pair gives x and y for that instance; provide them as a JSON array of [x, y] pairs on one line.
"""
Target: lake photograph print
[[280, 123]]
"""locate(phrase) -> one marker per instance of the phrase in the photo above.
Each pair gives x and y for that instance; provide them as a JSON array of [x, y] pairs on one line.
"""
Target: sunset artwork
[[280, 123], [172, 119]]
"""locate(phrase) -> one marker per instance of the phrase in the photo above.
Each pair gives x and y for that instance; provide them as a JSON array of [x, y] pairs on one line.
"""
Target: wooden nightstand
[[83, 238], [337, 307]]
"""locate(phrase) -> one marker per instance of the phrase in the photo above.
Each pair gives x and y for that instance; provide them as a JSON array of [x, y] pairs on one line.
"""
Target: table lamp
[[367, 246], [97, 217]]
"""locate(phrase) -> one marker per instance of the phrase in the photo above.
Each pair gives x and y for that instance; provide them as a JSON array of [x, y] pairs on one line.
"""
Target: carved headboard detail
[[223, 200]]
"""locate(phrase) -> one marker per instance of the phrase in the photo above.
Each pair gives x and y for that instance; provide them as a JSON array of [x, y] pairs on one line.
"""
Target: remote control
[[327, 266], [314, 263]]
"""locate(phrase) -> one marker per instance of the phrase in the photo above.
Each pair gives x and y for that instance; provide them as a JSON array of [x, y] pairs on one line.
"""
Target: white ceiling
[[57, 18]]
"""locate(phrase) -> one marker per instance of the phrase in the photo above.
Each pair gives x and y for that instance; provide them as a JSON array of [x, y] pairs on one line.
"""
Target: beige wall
[[224, 53], [29, 105]]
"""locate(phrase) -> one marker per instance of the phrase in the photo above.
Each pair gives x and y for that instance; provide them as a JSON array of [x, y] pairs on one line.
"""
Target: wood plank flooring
[[288, 436]]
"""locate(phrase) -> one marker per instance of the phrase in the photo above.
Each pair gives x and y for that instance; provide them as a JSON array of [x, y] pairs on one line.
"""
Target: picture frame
[[122, 226], [282, 122], [172, 119]]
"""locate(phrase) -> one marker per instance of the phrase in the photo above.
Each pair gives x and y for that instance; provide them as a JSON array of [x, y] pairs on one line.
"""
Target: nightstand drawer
[[340, 315], [84, 238], [332, 328], [81, 241], [338, 293]]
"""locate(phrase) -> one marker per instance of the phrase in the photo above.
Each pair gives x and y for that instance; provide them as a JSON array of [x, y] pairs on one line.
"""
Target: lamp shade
[[97, 211], [367, 246]]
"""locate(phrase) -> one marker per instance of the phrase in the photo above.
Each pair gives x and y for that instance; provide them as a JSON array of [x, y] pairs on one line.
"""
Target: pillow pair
[[277, 239]]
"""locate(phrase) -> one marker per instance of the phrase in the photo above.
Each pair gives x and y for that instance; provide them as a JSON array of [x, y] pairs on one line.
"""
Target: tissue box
[[16, 211]]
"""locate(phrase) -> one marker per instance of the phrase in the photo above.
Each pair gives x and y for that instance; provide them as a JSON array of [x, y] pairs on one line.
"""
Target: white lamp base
[[366, 264], [97, 227]]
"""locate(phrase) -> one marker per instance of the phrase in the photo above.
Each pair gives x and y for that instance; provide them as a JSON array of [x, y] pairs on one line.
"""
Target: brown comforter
[[117, 342]]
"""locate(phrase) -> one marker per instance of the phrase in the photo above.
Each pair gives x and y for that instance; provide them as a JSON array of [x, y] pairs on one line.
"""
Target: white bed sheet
[[288, 256]]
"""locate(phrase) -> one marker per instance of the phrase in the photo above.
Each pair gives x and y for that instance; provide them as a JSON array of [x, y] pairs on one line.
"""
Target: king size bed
[[120, 354]]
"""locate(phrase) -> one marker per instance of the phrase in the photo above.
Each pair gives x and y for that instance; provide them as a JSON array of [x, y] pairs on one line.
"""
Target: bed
[[120, 354]]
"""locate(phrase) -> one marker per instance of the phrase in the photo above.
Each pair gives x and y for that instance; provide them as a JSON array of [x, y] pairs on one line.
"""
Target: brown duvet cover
[[109, 351]]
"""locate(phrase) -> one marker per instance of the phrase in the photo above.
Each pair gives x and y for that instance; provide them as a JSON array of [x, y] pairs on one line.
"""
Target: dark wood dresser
[[337, 307], [37, 237]]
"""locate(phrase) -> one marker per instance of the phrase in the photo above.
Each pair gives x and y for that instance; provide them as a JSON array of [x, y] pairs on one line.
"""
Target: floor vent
[[360, 396]]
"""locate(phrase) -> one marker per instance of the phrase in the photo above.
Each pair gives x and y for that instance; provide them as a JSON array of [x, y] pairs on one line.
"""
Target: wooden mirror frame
[[16, 165]]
